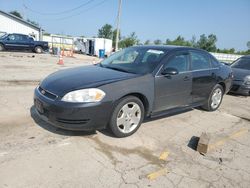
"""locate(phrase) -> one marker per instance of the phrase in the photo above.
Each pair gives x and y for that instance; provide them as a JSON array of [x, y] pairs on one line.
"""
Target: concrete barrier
[[226, 57]]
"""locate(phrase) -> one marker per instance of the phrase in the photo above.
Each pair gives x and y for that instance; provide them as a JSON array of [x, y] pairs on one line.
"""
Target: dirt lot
[[160, 154]]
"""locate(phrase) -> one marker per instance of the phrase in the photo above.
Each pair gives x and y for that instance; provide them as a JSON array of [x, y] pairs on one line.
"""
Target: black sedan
[[132, 84], [241, 71]]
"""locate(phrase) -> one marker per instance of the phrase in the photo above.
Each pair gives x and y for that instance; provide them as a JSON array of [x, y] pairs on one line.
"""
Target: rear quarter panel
[[224, 74]]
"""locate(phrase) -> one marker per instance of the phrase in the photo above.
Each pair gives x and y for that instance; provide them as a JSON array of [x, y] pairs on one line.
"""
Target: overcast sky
[[150, 19]]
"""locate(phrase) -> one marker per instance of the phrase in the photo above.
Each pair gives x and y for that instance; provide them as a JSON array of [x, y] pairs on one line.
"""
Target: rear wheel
[[38, 49], [1, 47], [215, 98], [127, 116]]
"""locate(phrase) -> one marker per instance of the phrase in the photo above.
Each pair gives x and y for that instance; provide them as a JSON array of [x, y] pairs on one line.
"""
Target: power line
[[58, 13], [86, 10]]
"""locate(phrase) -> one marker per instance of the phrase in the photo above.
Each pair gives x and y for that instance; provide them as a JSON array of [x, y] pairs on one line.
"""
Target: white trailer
[[92, 46]]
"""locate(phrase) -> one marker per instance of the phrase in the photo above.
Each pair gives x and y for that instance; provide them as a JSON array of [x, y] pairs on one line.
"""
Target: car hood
[[240, 74], [64, 81]]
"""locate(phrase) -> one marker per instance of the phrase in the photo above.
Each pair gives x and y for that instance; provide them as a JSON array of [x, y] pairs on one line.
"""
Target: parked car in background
[[241, 71], [134, 83], [22, 42]]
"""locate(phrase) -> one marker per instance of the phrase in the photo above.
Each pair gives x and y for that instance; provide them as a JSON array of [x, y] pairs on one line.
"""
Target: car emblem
[[43, 92]]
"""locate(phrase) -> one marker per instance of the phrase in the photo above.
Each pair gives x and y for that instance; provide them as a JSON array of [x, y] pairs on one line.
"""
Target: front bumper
[[72, 116], [239, 88]]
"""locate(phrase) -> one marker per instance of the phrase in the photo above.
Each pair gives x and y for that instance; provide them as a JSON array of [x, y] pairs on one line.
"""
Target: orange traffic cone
[[60, 62]]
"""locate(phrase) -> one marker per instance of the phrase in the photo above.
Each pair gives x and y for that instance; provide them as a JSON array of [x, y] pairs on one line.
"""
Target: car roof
[[246, 56], [17, 34], [167, 47]]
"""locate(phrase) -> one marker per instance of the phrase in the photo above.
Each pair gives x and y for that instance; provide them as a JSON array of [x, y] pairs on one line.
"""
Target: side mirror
[[8, 38], [170, 71]]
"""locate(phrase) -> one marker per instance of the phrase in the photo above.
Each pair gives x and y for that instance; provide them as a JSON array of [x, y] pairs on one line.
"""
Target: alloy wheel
[[128, 117], [216, 98]]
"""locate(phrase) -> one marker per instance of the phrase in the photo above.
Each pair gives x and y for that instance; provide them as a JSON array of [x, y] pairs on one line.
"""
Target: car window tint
[[199, 61], [214, 62], [179, 62], [24, 38], [11, 37], [242, 64], [18, 37], [152, 56]]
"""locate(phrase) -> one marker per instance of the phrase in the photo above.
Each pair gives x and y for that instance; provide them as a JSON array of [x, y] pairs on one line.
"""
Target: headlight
[[247, 80], [84, 95]]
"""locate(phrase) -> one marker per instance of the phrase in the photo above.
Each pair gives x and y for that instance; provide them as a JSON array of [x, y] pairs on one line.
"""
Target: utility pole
[[118, 25]]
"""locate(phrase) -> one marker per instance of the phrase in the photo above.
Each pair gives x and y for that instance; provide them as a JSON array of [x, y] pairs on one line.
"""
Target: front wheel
[[1, 47], [127, 116], [215, 98], [38, 49]]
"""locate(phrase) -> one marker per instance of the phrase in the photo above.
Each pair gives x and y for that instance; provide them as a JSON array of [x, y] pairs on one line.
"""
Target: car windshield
[[242, 63], [134, 60]]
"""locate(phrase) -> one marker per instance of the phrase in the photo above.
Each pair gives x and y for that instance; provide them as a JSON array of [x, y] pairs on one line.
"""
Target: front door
[[175, 90], [13, 42]]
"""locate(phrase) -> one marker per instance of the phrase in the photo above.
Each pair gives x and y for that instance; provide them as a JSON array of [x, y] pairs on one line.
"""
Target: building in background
[[12, 24]]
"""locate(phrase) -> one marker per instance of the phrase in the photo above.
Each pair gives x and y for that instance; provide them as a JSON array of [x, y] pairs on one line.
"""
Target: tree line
[[18, 14], [204, 42]]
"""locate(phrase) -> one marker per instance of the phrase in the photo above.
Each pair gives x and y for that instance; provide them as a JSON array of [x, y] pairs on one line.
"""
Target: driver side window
[[179, 62]]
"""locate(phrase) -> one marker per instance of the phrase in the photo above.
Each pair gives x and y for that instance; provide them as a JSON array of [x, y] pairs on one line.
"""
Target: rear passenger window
[[199, 61], [179, 62], [214, 62]]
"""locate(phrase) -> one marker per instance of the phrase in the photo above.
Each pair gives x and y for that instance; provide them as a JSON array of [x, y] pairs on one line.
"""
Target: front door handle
[[186, 78], [213, 75]]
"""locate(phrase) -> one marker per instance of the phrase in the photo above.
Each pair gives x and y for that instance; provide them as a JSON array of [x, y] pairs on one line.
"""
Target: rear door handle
[[186, 78]]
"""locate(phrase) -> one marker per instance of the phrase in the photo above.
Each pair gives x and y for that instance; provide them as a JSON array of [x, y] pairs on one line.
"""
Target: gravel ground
[[35, 154]]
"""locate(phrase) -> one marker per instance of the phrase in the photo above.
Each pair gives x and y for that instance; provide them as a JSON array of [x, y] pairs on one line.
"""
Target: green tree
[[179, 41], [33, 22], [248, 45], [157, 42], [147, 42], [131, 40], [207, 43], [226, 51], [106, 32], [16, 13]]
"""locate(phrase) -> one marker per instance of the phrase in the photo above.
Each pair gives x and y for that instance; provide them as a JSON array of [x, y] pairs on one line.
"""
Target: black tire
[[38, 49], [208, 106], [1, 47], [118, 109]]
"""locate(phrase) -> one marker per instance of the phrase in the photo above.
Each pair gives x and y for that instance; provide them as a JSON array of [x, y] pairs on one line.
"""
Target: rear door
[[174, 91], [25, 42], [203, 77]]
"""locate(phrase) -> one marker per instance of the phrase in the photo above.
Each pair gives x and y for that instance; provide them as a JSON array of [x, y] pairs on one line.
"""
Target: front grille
[[47, 93], [70, 121]]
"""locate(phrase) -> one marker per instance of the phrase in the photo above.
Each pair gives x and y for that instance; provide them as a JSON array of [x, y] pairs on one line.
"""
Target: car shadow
[[168, 114], [43, 124], [237, 95]]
